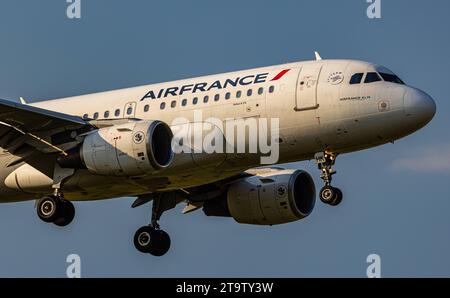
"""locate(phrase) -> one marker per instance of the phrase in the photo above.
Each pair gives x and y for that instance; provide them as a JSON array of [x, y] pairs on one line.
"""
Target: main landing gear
[[55, 209], [328, 194], [151, 239]]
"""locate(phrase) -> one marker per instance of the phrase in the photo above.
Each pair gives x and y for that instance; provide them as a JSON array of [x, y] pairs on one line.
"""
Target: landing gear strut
[[328, 194], [151, 239], [55, 209]]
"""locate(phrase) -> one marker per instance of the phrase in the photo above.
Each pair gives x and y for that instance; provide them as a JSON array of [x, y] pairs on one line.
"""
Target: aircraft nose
[[419, 106]]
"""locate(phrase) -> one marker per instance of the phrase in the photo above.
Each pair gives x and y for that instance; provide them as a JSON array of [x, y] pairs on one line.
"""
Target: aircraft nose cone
[[419, 106]]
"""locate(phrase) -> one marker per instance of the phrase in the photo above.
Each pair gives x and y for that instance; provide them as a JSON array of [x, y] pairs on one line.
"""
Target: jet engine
[[130, 149], [275, 196]]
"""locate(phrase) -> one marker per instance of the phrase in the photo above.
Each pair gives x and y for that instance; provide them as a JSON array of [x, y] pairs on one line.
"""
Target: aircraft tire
[[68, 213]]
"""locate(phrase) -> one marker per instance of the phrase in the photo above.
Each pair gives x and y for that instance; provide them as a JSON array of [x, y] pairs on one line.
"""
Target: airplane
[[121, 143]]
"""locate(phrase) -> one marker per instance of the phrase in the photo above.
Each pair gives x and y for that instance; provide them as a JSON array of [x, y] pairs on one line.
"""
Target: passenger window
[[260, 90], [205, 99], [271, 89], [106, 114], [249, 92], [95, 115], [129, 110], [356, 78], [162, 106], [146, 108], [227, 95], [238, 94], [173, 104], [195, 100], [372, 77], [184, 102], [216, 97], [117, 113]]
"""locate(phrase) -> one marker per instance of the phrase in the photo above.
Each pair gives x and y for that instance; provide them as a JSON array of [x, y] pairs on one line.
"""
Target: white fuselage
[[317, 107]]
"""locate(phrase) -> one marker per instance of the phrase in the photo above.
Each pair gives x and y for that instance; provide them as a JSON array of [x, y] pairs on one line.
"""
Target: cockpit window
[[391, 78], [372, 77], [356, 78]]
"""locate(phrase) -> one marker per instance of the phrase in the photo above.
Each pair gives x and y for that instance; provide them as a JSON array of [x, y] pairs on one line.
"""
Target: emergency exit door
[[129, 110], [306, 93]]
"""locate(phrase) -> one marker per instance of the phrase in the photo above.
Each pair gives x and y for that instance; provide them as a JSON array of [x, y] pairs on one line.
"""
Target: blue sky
[[397, 198]]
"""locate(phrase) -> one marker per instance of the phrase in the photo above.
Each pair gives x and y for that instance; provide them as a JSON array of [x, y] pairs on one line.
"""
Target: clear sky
[[397, 197]]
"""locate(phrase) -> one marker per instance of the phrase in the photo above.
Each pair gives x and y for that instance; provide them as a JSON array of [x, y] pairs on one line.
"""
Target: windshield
[[389, 76]]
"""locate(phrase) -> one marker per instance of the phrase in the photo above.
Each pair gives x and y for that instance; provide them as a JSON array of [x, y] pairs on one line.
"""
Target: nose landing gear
[[331, 195], [328, 194]]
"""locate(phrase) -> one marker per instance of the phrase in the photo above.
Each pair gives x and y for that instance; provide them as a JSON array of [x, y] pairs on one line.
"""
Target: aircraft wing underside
[[23, 127]]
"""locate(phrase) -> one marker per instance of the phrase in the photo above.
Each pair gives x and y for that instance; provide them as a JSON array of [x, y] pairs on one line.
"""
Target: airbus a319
[[120, 143]]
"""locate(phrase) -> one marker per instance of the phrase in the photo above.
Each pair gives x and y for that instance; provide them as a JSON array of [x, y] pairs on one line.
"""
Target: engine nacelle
[[131, 149], [273, 197]]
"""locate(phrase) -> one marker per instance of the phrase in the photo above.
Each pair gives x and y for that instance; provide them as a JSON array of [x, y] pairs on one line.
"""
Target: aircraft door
[[129, 110], [306, 93]]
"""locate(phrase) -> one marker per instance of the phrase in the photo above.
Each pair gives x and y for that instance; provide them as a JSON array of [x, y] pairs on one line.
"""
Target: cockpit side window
[[372, 77], [391, 78], [356, 78]]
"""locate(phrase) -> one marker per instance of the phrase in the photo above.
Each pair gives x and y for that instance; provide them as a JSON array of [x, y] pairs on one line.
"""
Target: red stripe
[[280, 75]]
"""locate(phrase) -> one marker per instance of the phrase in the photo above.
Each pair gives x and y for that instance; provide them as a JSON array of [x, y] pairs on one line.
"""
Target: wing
[[23, 126], [31, 119]]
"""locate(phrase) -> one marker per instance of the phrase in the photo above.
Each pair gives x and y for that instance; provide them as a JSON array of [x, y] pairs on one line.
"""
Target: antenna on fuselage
[[318, 58]]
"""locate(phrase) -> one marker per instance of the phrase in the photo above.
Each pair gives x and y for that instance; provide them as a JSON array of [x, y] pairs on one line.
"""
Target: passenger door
[[306, 93]]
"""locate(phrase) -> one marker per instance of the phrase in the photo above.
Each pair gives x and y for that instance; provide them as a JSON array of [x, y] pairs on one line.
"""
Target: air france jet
[[120, 143]]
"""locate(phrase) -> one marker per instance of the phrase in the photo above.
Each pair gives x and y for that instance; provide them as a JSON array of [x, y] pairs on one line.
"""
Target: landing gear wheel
[[160, 243], [49, 208], [149, 240], [338, 199], [328, 194], [67, 214], [142, 239]]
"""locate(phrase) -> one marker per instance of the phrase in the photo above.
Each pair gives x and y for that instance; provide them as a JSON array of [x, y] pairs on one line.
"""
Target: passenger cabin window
[[173, 104], [129, 110], [356, 78], [249, 92], [391, 78], [271, 89], [216, 97], [117, 113], [162, 106], [85, 116], [194, 100], [95, 115], [238, 94], [260, 90], [106, 114], [372, 77], [227, 95], [184, 102], [146, 108], [205, 99]]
